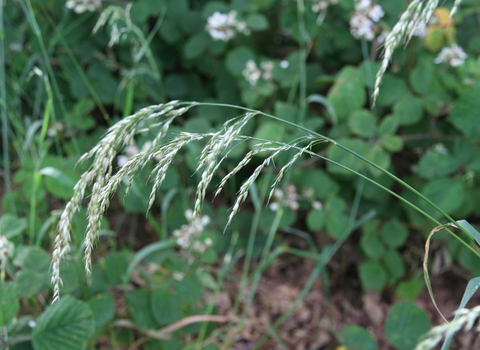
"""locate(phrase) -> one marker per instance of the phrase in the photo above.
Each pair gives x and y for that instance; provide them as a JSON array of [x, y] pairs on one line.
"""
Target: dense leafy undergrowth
[[172, 273]]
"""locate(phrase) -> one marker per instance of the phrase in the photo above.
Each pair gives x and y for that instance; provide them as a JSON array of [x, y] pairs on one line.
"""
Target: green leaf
[[256, 22], [388, 125], [322, 184], [405, 324], [392, 90], [474, 234], [9, 303], [464, 115], [395, 266], [357, 338], [394, 233], [348, 93], [362, 123], [138, 302], [448, 194], [103, 308], [409, 110], [189, 289], [33, 258], [437, 164], [378, 156], [236, 60], [372, 246], [166, 307], [196, 45], [391, 143], [372, 276], [410, 289], [315, 219], [285, 111], [67, 324], [145, 252], [11, 226], [347, 159], [30, 283], [423, 78]]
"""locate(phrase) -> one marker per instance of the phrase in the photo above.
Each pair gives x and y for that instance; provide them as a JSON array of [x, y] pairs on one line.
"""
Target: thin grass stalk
[[369, 162], [3, 112]]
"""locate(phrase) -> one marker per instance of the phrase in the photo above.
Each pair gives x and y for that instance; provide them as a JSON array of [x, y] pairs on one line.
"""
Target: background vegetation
[[72, 69]]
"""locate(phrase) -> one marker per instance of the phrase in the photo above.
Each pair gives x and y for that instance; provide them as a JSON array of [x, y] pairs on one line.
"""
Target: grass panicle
[[100, 172], [466, 319], [417, 12]]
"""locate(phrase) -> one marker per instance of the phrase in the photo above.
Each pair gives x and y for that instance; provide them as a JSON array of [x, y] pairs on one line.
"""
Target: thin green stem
[[369, 162], [3, 111]]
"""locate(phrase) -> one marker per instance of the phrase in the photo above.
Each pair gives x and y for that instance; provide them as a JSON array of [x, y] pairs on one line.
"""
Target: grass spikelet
[[209, 158], [466, 319], [403, 30], [243, 192], [99, 174]]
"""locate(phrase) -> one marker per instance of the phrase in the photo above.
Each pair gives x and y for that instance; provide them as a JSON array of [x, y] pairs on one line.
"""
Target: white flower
[[362, 5], [421, 30], [251, 72], [223, 26], [284, 64], [81, 6], [178, 276], [376, 13], [317, 205], [122, 160], [454, 55]]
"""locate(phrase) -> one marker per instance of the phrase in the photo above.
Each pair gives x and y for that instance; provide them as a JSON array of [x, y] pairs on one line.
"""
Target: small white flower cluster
[[252, 73], [187, 235], [291, 198], [81, 6], [5, 250], [454, 56], [224, 26], [322, 5], [363, 23]]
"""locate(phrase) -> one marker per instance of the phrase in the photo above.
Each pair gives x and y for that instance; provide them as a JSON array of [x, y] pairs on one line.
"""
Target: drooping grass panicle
[[417, 11], [243, 192], [466, 319], [166, 154], [209, 159], [282, 171], [118, 136], [456, 4]]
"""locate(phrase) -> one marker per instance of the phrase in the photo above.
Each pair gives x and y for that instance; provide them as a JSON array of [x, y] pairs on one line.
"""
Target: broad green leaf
[[286, 111], [33, 258], [362, 123], [409, 110], [464, 115], [190, 290], [196, 45], [423, 78], [394, 233], [166, 308], [138, 302], [256, 22], [11, 226], [317, 180], [437, 164], [236, 60], [448, 194], [378, 156], [372, 246], [347, 159], [315, 219], [31, 283], [410, 289], [388, 125], [103, 308], [357, 338], [372, 275], [67, 324], [348, 93], [405, 324], [392, 90], [9, 303], [394, 264], [268, 130], [392, 143], [176, 85], [336, 224]]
